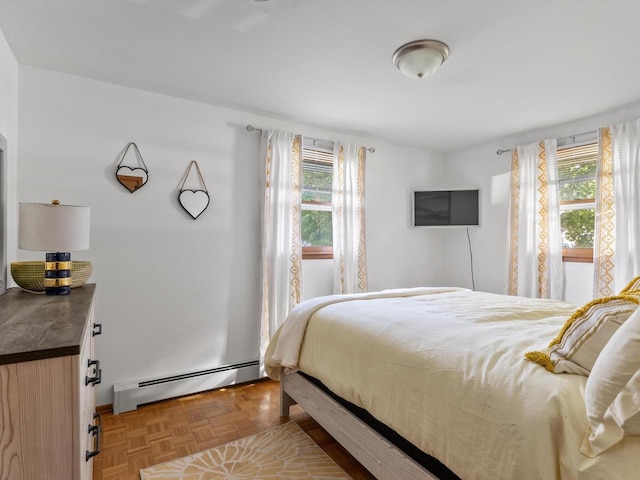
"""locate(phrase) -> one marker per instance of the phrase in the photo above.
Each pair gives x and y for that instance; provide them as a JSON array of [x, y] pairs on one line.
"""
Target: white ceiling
[[514, 65]]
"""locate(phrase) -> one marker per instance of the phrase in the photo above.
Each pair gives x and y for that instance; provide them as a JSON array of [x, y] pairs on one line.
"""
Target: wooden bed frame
[[377, 454]]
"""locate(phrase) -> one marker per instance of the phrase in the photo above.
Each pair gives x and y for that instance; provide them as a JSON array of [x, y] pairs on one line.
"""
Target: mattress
[[445, 369]]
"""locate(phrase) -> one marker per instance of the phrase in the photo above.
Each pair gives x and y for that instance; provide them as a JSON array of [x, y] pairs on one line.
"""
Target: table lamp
[[57, 229]]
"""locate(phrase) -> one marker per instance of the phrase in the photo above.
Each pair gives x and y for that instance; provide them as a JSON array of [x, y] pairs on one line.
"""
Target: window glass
[[577, 167], [317, 181], [577, 227], [317, 229], [317, 187]]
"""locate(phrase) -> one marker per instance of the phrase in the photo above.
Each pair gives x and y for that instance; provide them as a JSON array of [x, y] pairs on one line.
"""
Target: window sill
[[317, 253], [577, 255]]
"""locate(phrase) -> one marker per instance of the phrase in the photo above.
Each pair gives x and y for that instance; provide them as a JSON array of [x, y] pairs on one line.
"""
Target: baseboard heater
[[128, 396]]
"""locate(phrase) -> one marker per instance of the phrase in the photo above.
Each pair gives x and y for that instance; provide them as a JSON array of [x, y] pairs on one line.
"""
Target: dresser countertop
[[38, 326]]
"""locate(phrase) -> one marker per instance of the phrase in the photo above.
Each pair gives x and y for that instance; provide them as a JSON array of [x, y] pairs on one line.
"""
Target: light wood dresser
[[48, 368]]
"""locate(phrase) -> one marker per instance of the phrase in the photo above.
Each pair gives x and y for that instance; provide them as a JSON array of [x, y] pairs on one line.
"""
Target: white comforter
[[445, 368]]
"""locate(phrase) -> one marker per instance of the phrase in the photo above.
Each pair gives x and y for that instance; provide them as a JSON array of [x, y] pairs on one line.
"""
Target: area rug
[[282, 453]]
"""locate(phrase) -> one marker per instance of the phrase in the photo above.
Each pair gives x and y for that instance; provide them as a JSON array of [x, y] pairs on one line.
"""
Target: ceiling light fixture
[[420, 58]]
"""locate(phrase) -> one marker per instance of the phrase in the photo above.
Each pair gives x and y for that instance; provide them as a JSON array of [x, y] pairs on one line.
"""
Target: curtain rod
[[251, 128], [586, 137]]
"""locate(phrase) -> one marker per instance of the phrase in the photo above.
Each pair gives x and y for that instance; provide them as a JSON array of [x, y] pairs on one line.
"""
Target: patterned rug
[[282, 453]]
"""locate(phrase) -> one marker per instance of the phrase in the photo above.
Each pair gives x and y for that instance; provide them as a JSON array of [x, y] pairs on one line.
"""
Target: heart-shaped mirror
[[132, 176], [194, 201]]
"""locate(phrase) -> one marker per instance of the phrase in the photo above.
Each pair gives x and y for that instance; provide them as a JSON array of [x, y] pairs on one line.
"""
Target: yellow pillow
[[585, 334], [633, 288]]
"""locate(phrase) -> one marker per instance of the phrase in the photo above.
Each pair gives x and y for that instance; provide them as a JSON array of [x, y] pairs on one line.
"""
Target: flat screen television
[[445, 208]]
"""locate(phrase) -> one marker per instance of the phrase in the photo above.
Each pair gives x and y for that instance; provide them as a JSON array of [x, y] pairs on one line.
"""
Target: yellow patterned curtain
[[349, 245], [605, 236], [535, 246], [281, 236], [514, 213]]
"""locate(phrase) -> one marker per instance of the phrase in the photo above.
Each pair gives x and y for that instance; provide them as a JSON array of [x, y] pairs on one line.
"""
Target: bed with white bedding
[[445, 369]]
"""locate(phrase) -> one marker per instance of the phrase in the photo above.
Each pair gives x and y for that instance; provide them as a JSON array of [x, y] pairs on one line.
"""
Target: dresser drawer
[[36, 420]]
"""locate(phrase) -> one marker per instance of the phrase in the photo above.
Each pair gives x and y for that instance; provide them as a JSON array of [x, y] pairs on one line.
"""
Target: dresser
[[48, 371]]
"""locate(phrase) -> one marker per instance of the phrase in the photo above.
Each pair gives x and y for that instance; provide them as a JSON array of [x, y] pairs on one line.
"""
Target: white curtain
[[281, 244], [349, 246], [626, 186], [535, 243]]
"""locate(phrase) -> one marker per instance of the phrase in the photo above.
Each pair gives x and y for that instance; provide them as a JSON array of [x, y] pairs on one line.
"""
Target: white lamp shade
[[53, 228], [420, 63], [420, 58]]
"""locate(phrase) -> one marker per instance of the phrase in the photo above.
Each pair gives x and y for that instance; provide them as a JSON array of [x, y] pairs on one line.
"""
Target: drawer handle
[[95, 431], [97, 329], [97, 372]]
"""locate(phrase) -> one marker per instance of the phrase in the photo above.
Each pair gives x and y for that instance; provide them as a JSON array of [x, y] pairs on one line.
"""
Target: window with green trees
[[577, 167], [317, 188]]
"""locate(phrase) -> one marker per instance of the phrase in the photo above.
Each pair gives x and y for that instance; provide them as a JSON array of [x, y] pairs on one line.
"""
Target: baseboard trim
[[129, 395], [108, 408]]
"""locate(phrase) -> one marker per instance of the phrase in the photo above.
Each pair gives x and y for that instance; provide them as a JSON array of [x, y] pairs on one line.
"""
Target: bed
[[444, 369]]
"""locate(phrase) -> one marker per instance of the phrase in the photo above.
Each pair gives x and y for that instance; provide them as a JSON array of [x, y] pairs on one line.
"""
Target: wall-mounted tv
[[445, 208]]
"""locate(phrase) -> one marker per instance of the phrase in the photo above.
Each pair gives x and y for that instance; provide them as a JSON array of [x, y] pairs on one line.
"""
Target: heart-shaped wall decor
[[194, 201], [132, 178]]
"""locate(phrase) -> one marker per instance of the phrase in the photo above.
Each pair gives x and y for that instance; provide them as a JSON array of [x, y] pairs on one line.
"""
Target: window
[[577, 165], [317, 186]]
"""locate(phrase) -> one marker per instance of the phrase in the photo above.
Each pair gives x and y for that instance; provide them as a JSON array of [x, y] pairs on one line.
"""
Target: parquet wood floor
[[171, 429]]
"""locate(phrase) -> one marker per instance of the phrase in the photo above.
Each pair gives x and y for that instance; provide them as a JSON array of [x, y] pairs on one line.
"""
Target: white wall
[[400, 255], [176, 294], [480, 166], [9, 129], [467, 171], [317, 278]]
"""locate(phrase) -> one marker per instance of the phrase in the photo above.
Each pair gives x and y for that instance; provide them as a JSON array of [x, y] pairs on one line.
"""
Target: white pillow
[[612, 392]]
